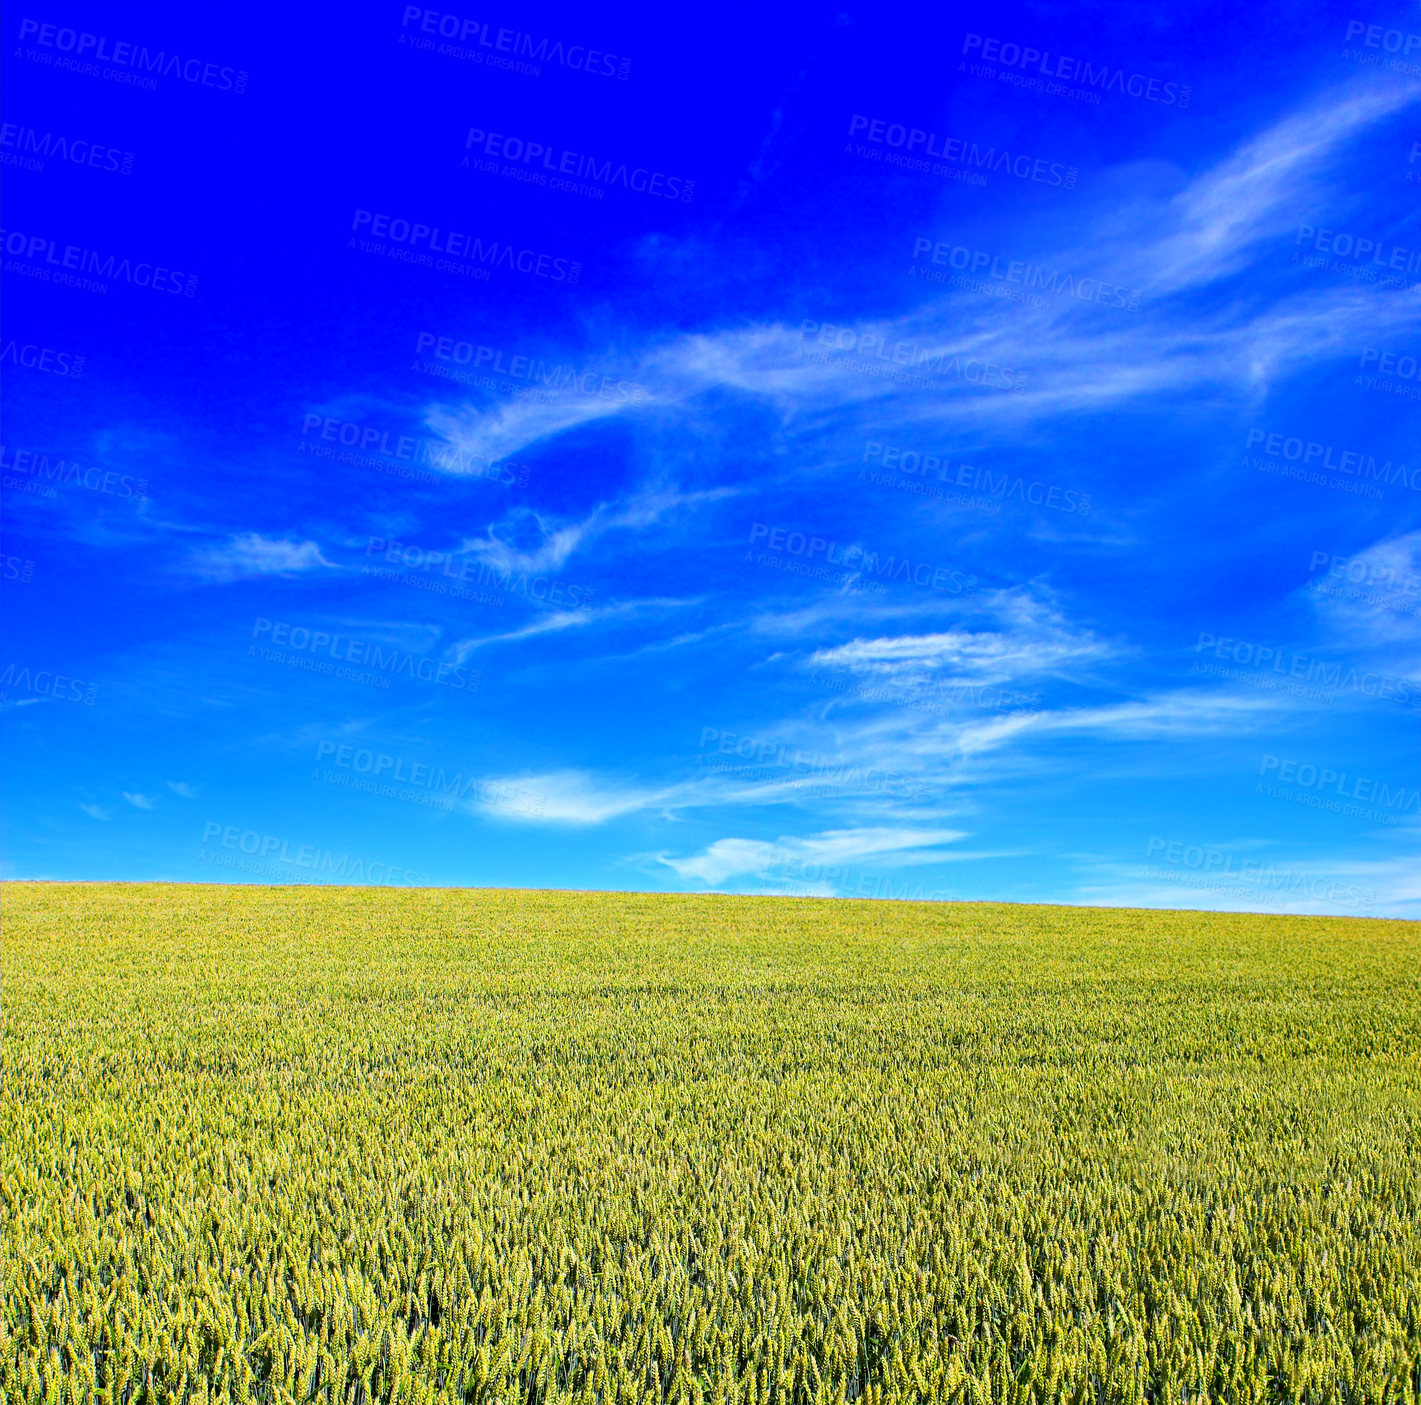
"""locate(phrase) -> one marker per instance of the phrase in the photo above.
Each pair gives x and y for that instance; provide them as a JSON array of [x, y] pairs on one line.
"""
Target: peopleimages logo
[[497, 361], [1363, 248], [1358, 570], [863, 561], [1211, 866], [30, 148], [359, 651], [772, 757], [459, 568], [42, 358], [1107, 79], [125, 54], [265, 851], [63, 472], [553, 160], [870, 352], [1273, 659], [1309, 776], [1036, 493], [509, 45], [785, 870], [424, 241], [959, 150], [45, 683], [1029, 276], [59, 262], [1392, 41], [438, 453], [1391, 363], [1308, 453], [385, 771]]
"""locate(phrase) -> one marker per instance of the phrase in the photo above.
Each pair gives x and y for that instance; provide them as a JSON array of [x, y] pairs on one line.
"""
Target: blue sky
[[949, 452]]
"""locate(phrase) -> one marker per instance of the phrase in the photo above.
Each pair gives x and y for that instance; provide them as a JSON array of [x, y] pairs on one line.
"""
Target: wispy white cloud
[[94, 812], [571, 796], [1211, 229], [577, 796], [1036, 646], [182, 788], [1225, 350], [140, 801], [557, 621], [1218, 219], [1179, 713], [886, 846], [526, 540], [1213, 226], [1259, 875], [1176, 715], [493, 433], [251, 554], [1373, 599], [950, 758]]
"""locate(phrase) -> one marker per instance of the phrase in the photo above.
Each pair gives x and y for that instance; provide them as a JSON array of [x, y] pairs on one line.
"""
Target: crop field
[[366, 1145]]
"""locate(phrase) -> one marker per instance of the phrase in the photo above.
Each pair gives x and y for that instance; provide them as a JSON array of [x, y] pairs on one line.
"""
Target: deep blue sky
[[963, 451]]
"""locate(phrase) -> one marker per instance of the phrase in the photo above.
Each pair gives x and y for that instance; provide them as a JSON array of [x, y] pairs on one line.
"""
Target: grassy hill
[[367, 1145]]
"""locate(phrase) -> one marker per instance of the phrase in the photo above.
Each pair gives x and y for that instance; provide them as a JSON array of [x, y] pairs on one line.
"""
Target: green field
[[367, 1145]]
